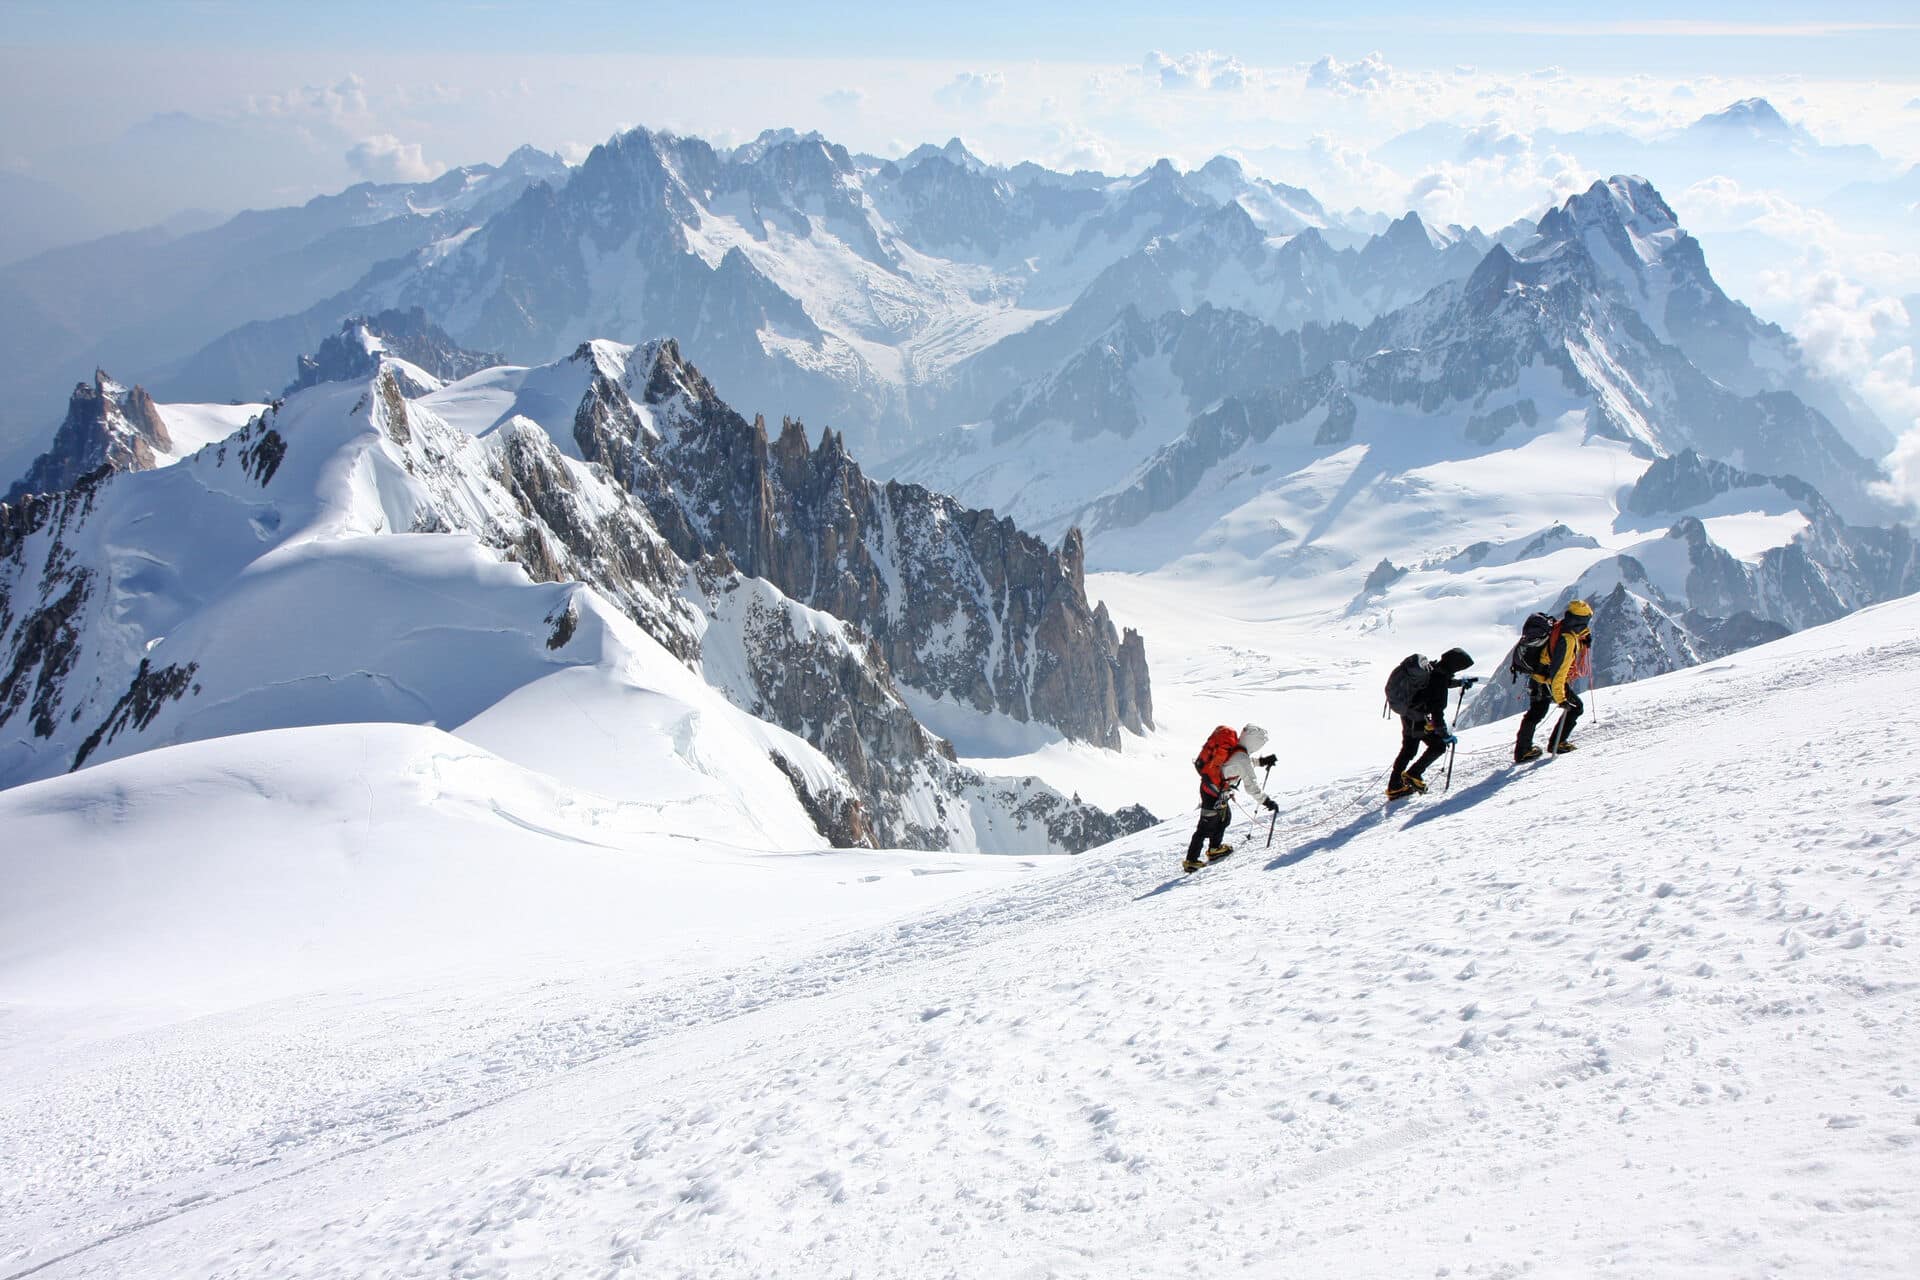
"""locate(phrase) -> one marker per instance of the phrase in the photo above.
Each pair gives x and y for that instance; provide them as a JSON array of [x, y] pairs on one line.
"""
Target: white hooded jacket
[[1239, 768]]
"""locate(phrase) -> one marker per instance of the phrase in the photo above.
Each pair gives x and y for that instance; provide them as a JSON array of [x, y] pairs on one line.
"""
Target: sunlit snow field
[[1648, 1009]]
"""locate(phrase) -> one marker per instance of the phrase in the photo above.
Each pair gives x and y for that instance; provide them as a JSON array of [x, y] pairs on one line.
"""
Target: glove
[[1451, 740], [1267, 762], [1467, 682], [1271, 806]]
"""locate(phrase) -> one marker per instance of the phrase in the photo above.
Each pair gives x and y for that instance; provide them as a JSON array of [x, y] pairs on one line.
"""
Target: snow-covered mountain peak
[[1623, 202], [954, 152], [1633, 239], [540, 166], [1748, 120], [1223, 169]]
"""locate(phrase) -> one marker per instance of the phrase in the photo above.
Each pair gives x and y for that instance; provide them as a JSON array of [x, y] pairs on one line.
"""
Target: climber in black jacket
[[1427, 723]]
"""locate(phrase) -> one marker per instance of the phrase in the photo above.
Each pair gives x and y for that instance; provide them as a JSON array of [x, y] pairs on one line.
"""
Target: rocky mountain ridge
[[107, 426], [344, 470]]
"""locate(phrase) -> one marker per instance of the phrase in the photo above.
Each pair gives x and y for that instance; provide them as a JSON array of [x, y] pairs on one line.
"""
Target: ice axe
[[1275, 821], [1459, 704]]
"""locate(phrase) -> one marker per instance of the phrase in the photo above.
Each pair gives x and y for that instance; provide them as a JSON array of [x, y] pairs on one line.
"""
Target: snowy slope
[[1642, 1010], [195, 426]]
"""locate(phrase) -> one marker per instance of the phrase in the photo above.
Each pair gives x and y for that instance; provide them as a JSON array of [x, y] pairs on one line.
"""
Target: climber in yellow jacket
[[1562, 659]]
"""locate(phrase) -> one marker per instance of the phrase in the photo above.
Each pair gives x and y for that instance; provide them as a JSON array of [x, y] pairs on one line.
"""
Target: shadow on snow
[[1463, 799]]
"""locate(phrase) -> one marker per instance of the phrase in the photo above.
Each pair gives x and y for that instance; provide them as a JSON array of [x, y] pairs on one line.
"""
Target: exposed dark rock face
[[42, 627], [354, 352], [1381, 577], [961, 605], [262, 448], [149, 692], [107, 425], [841, 818], [564, 623]]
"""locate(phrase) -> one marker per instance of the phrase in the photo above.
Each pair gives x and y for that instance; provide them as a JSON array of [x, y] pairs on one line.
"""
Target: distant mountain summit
[[1748, 120], [845, 289], [107, 426], [363, 341]]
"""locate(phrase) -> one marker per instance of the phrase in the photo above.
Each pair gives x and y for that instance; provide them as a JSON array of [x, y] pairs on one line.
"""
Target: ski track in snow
[[1646, 1009]]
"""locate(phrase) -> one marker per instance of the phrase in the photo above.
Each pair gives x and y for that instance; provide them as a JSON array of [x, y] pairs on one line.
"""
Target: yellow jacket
[[1562, 657]]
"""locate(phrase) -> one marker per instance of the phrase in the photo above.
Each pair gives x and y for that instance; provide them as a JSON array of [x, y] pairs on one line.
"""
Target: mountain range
[[1196, 376]]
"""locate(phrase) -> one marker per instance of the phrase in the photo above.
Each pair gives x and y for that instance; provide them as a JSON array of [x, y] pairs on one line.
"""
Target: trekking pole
[[1459, 705], [1276, 813]]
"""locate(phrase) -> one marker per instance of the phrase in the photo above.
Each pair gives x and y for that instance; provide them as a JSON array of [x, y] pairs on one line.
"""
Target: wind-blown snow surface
[[1647, 1009]]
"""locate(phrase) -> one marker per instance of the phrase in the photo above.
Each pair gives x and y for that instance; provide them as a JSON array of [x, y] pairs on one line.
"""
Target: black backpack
[[1407, 683], [1530, 655]]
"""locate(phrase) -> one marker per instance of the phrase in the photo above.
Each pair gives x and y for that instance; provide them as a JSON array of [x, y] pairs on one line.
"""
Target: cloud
[[1204, 70], [970, 89], [1710, 28], [1721, 203], [843, 99], [1866, 340], [1069, 147], [338, 103], [1914, 105], [1370, 74], [1496, 170], [384, 158]]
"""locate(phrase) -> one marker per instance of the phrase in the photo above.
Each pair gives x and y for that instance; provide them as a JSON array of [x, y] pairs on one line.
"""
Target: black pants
[[1214, 820], [1539, 702], [1413, 732]]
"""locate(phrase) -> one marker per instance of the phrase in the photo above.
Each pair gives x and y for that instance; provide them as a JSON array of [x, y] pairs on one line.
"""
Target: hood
[[1454, 661], [1253, 737]]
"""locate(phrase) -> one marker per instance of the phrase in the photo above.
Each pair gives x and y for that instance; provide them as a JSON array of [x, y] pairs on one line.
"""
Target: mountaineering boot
[[1417, 783], [1531, 753], [1219, 851], [1397, 788], [1561, 748], [1192, 865]]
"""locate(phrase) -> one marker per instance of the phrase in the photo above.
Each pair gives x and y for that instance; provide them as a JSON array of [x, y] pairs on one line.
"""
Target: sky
[[121, 114], [307, 98]]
